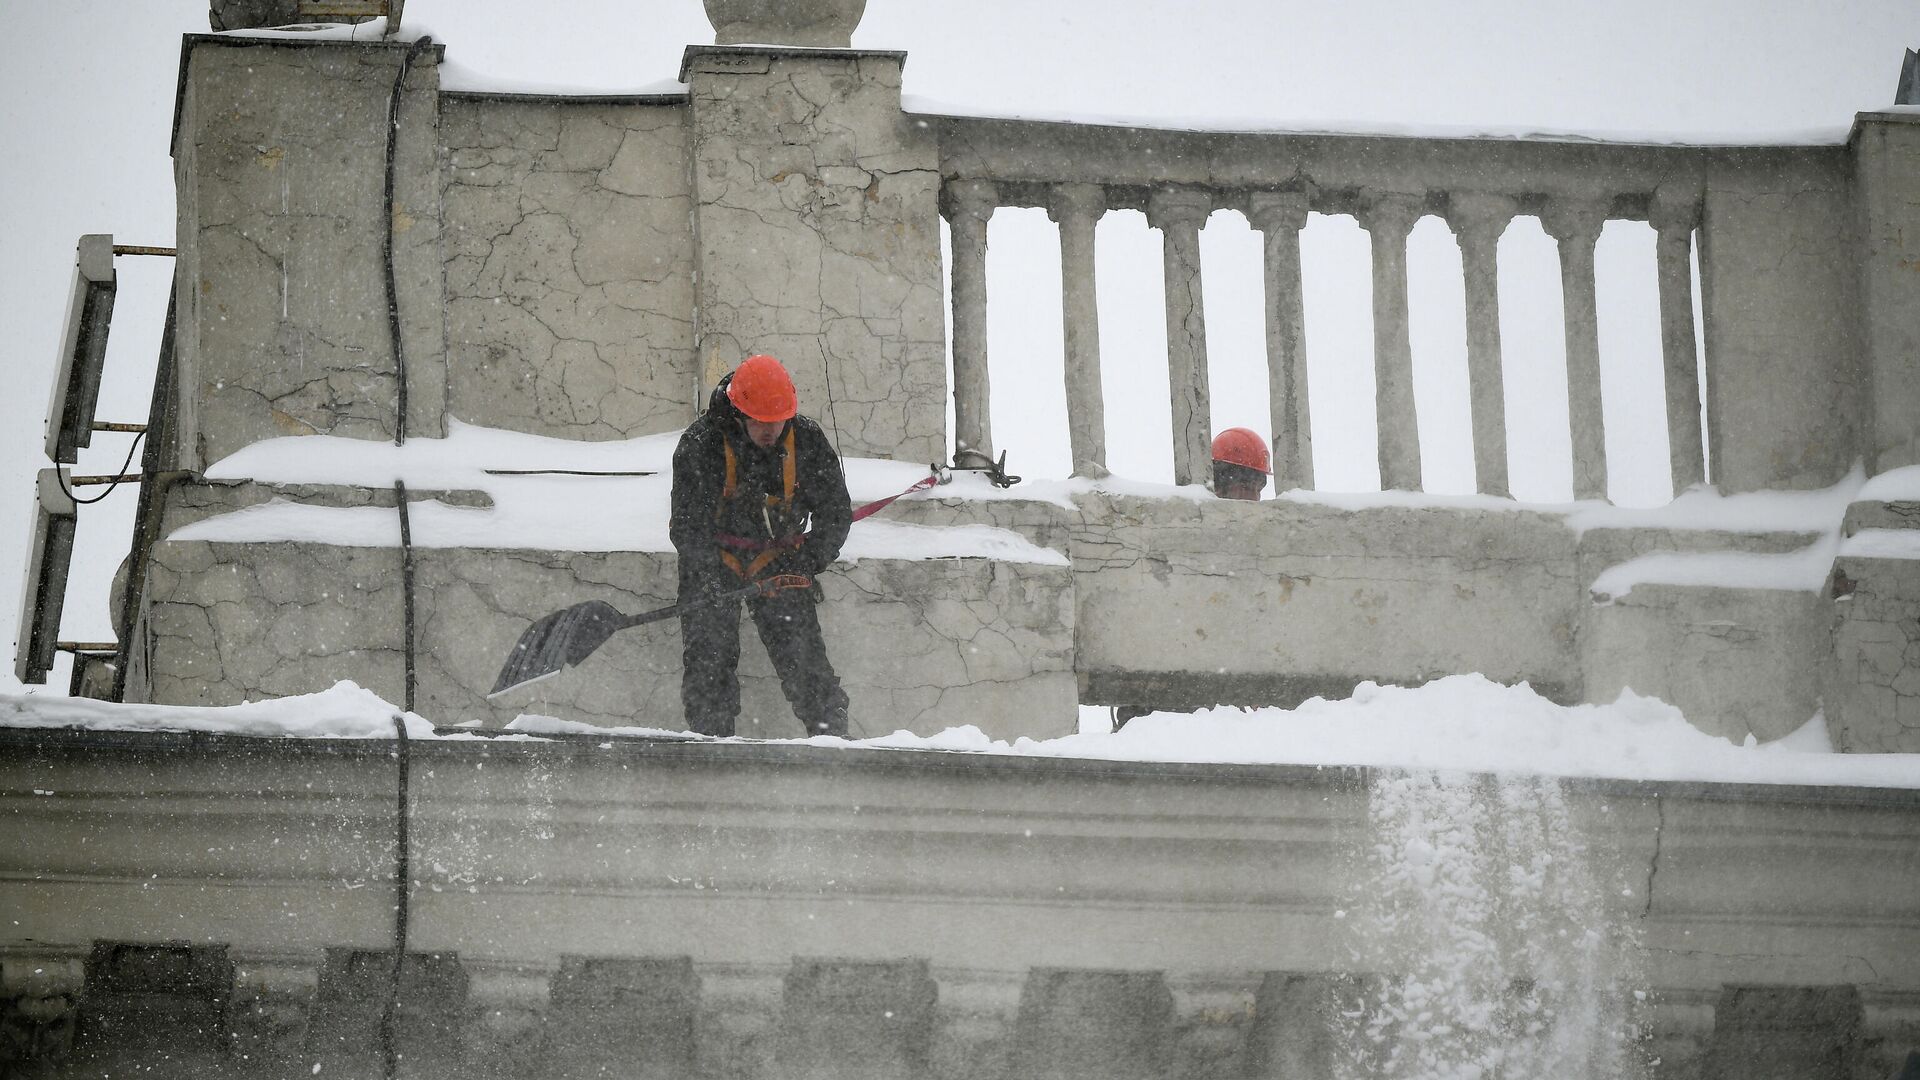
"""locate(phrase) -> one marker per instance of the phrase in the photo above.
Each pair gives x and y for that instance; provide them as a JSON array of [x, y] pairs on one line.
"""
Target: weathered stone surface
[[569, 267], [1231, 594], [1737, 662], [1886, 155], [1779, 295], [818, 239], [856, 1020], [920, 645], [280, 164], [1084, 1025], [154, 1010], [1785, 1033], [1873, 698]]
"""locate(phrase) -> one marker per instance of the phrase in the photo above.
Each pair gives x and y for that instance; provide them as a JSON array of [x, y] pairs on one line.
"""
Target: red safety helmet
[[1242, 446], [763, 390]]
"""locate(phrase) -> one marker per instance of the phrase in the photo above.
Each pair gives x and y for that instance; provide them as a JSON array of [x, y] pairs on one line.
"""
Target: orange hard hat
[[763, 390], [1242, 446]]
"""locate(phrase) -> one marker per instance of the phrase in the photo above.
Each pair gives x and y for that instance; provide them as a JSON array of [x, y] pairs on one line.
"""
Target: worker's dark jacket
[[719, 536], [741, 514]]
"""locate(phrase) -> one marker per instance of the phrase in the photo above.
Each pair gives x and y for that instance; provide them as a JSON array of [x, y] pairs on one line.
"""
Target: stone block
[[1785, 1033], [1873, 687], [623, 1017], [429, 1013], [1093, 1025], [1294, 1029], [1886, 161], [1191, 603], [856, 1020], [154, 1010], [1735, 661]]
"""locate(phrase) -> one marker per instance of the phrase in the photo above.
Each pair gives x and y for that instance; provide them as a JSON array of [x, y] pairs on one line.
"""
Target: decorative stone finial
[[816, 24]]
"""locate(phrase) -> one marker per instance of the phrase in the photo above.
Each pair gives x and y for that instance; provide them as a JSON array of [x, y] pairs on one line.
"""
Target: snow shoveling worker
[[1240, 464], [758, 495]]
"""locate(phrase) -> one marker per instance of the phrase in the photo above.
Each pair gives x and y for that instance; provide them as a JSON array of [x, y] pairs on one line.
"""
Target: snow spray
[[1495, 952]]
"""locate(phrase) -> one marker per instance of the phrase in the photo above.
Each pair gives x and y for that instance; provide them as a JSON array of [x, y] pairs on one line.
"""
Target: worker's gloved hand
[[783, 583]]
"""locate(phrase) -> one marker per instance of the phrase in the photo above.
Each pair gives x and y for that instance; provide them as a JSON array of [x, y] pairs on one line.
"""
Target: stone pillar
[[1886, 167], [280, 290], [1093, 1025], [1576, 225], [1179, 214], [1280, 215], [1388, 218], [851, 1020], [1477, 221], [1077, 209], [968, 205], [1673, 216], [817, 238]]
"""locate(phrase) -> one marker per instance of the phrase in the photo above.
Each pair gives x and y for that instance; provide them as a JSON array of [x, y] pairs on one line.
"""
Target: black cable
[[124, 466], [403, 887], [406, 585], [386, 240]]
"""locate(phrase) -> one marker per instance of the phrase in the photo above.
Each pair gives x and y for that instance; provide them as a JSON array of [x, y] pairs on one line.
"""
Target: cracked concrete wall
[[1779, 293], [1736, 661], [569, 266], [280, 158], [920, 645], [1277, 601], [1873, 686], [1886, 152], [818, 239]]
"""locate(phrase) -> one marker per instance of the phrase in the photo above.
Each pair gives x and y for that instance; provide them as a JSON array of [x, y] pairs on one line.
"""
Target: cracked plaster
[[1874, 685], [280, 164], [817, 240], [569, 267]]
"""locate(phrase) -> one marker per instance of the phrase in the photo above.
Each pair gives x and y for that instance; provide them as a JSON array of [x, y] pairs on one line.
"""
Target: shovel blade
[[557, 641]]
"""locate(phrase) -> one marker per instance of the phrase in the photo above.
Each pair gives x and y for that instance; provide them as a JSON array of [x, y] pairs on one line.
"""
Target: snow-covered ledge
[[983, 876]]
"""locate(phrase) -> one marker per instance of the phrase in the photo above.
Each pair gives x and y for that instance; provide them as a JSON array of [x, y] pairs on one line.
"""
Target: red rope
[[873, 508]]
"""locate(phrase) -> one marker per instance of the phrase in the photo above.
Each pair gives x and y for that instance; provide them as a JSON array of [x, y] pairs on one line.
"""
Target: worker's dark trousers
[[790, 629]]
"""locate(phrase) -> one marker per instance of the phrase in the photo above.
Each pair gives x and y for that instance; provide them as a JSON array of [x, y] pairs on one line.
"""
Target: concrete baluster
[[856, 1020], [1673, 216], [968, 204], [1477, 221], [1077, 209], [1179, 214], [1388, 218], [1280, 215], [1576, 225]]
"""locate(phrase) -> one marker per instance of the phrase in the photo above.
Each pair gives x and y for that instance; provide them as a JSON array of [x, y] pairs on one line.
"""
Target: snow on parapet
[[553, 495], [1825, 135], [1463, 723]]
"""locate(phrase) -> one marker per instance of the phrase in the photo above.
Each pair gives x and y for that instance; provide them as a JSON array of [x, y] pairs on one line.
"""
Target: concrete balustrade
[[1575, 225], [1388, 219], [1477, 221], [968, 206], [1179, 214], [1077, 209], [1280, 216]]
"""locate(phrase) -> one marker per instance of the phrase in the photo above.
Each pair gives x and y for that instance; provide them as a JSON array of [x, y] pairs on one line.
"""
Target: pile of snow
[[1463, 723]]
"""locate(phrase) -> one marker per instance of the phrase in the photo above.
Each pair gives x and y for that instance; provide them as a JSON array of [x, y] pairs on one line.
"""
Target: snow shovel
[[567, 637]]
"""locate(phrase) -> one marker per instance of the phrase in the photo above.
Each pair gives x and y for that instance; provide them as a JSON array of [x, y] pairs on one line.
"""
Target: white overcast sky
[[87, 91]]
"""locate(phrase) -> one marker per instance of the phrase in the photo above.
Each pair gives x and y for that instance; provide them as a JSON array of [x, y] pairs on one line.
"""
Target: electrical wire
[[124, 466]]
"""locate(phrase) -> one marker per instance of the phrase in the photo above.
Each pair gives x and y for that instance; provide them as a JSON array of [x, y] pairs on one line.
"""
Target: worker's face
[[1248, 490], [763, 432]]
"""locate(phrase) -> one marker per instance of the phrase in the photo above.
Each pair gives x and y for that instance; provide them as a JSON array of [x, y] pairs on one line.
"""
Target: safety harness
[[759, 553]]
